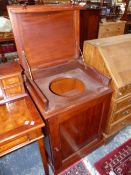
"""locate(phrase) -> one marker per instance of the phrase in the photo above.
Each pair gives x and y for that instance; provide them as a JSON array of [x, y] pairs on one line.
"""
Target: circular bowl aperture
[[67, 87]]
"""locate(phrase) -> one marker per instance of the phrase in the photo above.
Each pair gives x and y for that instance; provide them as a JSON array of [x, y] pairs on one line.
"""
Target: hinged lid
[[46, 34]]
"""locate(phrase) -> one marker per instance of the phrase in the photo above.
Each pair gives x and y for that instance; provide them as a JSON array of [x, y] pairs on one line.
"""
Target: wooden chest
[[107, 29], [11, 83], [112, 56], [72, 98]]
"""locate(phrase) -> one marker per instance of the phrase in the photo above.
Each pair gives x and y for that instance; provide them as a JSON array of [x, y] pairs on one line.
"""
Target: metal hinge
[[82, 56], [30, 72]]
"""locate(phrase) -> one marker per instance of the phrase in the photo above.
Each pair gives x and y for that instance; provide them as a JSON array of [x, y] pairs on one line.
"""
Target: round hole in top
[[67, 87]]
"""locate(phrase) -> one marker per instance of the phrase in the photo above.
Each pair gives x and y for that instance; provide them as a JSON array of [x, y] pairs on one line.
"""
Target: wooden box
[[112, 56], [72, 98]]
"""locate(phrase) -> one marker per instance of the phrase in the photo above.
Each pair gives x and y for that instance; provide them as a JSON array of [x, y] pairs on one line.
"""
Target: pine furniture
[[112, 57], [107, 29]]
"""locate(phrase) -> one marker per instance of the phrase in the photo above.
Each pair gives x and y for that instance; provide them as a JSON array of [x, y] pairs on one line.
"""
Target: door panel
[[79, 129]]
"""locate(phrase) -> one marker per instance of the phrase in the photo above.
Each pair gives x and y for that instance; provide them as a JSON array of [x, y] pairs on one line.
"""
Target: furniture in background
[[107, 29], [89, 24], [21, 123], [112, 57], [128, 23], [72, 98], [11, 83], [7, 46]]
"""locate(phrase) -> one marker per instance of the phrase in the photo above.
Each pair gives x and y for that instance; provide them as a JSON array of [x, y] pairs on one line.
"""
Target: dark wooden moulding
[[73, 98]]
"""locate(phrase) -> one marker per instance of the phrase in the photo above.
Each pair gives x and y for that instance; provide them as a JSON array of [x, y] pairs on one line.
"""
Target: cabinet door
[[73, 130], [80, 129]]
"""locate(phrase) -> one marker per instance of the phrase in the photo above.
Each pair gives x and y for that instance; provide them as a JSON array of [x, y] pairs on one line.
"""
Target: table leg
[[43, 155]]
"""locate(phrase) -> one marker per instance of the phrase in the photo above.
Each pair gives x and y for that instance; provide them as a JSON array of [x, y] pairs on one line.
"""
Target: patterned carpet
[[27, 161], [78, 168], [118, 161]]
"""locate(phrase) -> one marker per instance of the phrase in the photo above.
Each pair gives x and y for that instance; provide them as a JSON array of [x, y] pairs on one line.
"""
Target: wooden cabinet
[[72, 98], [75, 120], [89, 24], [11, 83], [111, 56], [107, 29], [76, 132]]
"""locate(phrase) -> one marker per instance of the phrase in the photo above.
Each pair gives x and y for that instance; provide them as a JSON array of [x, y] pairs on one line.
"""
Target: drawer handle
[[120, 93], [125, 112], [56, 149], [123, 124]]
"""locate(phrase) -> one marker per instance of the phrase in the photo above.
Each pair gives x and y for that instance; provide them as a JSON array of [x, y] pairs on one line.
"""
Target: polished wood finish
[[111, 56], [73, 98], [89, 24], [57, 40], [75, 123], [73, 87], [107, 29], [15, 132], [11, 83]]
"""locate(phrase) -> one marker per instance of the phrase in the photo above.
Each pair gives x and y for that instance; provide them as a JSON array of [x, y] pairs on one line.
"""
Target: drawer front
[[124, 91], [105, 31], [10, 81], [13, 91], [13, 143], [122, 114], [121, 124], [18, 142], [122, 104], [8, 35], [120, 28], [111, 30]]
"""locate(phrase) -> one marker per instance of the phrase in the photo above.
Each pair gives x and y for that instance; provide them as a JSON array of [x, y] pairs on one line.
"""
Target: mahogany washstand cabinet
[[72, 97]]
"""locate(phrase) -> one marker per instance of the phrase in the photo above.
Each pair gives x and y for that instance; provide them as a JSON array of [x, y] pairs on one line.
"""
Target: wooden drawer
[[13, 143], [20, 141], [120, 28], [111, 29], [123, 91], [13, 91], [10, 81], [122, 114], [118, 105], [115, 127], [105, 31], [8, 35]]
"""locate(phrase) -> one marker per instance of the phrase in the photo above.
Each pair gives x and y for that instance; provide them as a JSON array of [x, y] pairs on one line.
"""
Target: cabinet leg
[[43, 155]]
